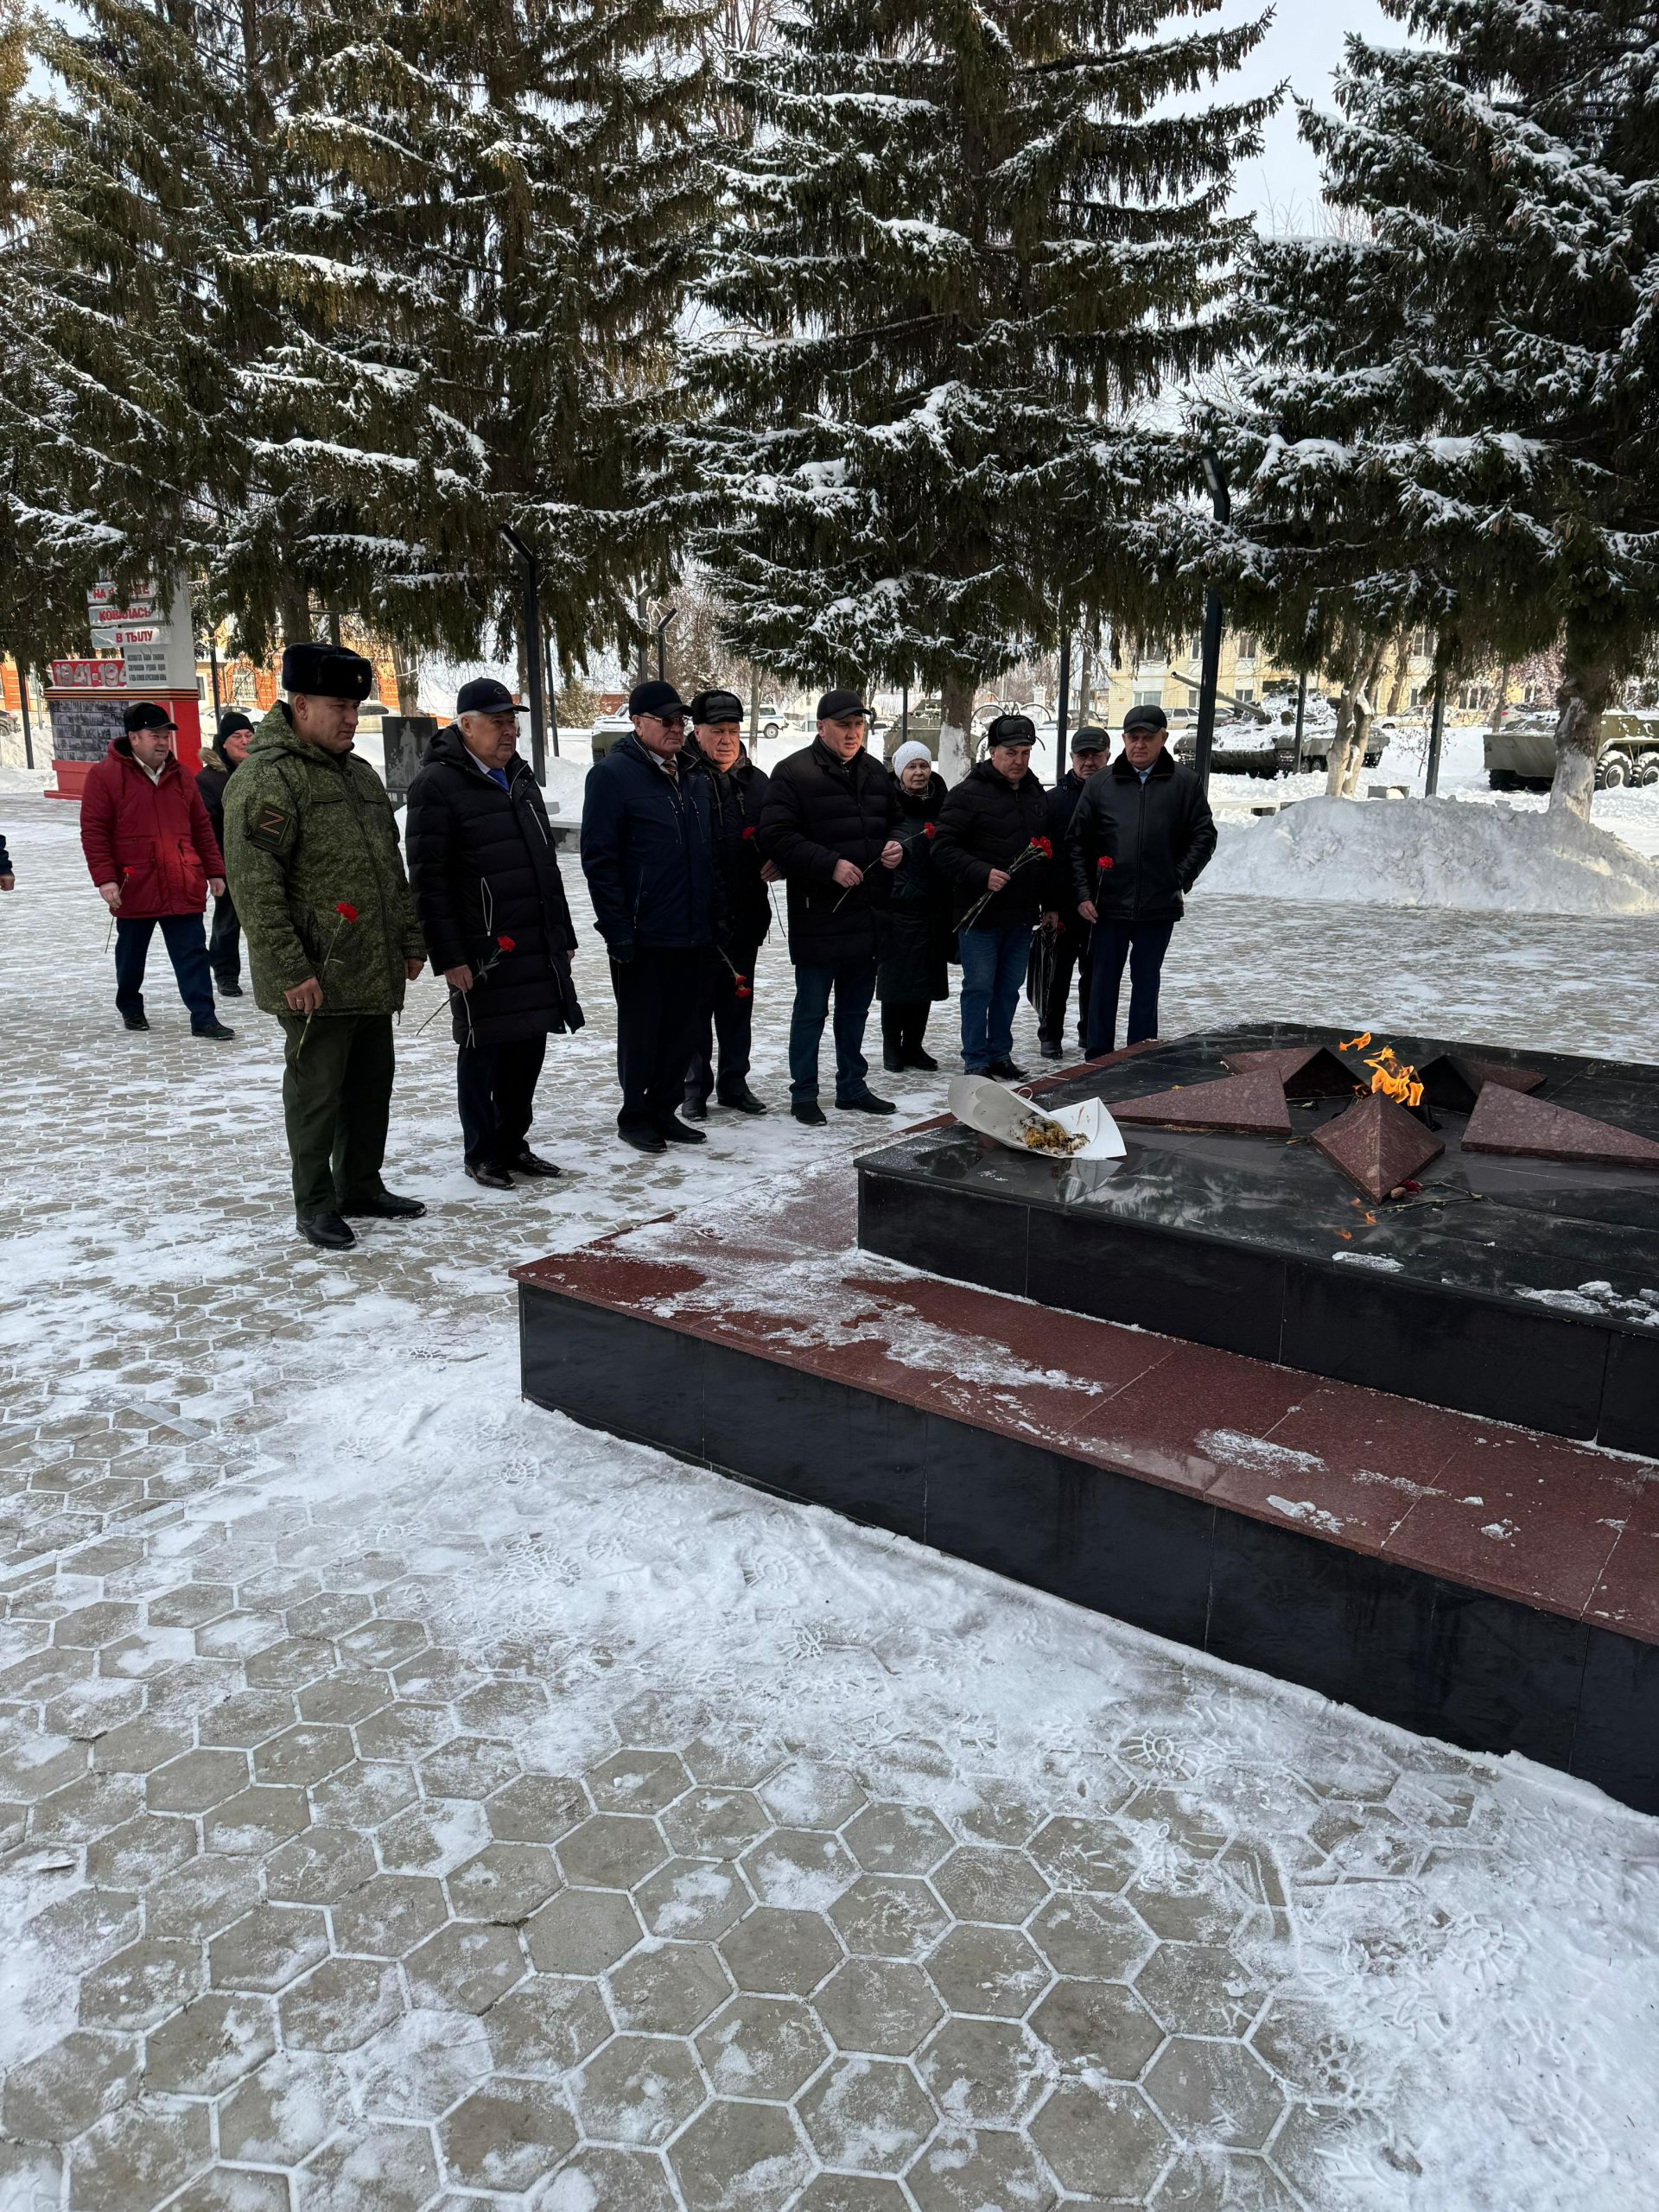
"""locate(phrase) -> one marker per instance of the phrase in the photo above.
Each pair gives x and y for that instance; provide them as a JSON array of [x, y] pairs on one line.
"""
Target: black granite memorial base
[[1523, 1289]]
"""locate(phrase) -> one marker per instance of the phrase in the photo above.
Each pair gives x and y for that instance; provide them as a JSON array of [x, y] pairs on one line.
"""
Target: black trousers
[[187, 948], [904, 1024], [495, 1087], [1069, 956], [1143, 946], [225, 944], [727, 1021], [659, 996]]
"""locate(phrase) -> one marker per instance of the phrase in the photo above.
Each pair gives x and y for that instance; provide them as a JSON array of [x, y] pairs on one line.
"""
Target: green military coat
[[305, 832]]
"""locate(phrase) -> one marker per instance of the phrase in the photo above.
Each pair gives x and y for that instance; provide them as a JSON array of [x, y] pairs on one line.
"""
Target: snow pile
[[28, 782], [1435, 853]]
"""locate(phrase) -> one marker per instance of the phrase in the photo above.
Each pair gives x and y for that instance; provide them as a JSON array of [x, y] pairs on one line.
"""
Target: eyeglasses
[[666, 721]]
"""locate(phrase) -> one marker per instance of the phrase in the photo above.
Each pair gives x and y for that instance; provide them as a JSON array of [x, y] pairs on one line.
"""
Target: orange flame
[[1390, 1075]]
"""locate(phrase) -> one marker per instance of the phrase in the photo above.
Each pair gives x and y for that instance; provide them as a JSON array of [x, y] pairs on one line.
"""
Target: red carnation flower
[[346, 912], [508, 944], [927, 829], [748, 834], [744, 992], [1043, 847], [1103, 863]]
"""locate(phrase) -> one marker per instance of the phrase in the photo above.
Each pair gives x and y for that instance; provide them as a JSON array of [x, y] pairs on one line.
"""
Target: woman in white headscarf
[[915, 969]]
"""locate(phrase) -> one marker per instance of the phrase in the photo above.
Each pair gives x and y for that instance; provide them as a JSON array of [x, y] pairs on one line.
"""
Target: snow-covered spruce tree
[[1454, 418], [962, 243], [477, 296]]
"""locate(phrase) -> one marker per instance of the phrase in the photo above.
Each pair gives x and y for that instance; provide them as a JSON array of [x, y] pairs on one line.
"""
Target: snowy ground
[[417, 1801]]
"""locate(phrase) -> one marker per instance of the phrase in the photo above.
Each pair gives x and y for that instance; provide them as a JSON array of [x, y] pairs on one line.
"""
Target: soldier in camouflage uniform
[[312, 854]]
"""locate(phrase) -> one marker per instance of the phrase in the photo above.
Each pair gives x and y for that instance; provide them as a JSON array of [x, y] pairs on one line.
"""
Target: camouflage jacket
[[307, 832]]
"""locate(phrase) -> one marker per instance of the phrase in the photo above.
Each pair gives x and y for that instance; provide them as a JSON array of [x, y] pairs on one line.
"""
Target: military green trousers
[[336, 1102]]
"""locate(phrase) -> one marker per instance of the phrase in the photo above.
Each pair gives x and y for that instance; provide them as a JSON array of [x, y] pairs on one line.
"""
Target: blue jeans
[[853, 986], [993, 975], [187, 948], [1143, 945]]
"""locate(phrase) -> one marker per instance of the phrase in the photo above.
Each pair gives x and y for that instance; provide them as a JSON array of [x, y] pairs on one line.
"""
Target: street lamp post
[[1061, 708], [529, 573], [1436, 733], [1209, 669]]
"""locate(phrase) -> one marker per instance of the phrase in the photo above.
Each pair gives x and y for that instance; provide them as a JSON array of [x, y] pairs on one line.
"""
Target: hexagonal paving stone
[[364, 1792], [403, 1731], [228, 2188], [731, 1756], [94, 1624], [1188, 1824], [763, 2047], [52, 2097], [1002, 1813], [877, 2006], [1215, 2092], [668, 1989], [205, 1894], [987, 2072], [340, 2004], [1200, 1989], [87, 1809], [798, 1869], [255, 1821], [1302, 2041], [854, 2193], [471, 1766], [637, 1782], [432, 1839], [419, 2066], [139, 1746], [246, 1719], [285, 1665], [692, 1897], [639, 2090], [656, 1720], [504, 1709], [1192, 1904], [280, 2113], [85, 1926], [740, 2154], [467, 1964], [1084, 1854], [581, 1931], [197, 1782], [600, 2179], [389, 1915], [1102, 2140], [981, 1884], [132, 2159], [507, 2136], [32, 1767], [537, 1808], [869, 2114], [506, 1882], [209, 2046], [715, 1823], [141, 1851], [385, 1642], [612, 1851], [781, 1954], [303, 1754], [345, 1698], [988, 1970], [319, 1866], [140, 1985], [389, 2166], [897, 1840], [1094, 1938], [1218, 2181], [273, 1946], [889, 1916], [807, 1795], [966, 2169], [191, 1605], [1099, 2025], [547, 2024]]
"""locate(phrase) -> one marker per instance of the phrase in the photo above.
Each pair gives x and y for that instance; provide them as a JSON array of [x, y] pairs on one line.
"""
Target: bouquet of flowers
[[1039, 848]]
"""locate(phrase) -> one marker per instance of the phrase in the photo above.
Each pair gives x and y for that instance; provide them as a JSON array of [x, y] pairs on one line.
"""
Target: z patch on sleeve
[[270, 827]]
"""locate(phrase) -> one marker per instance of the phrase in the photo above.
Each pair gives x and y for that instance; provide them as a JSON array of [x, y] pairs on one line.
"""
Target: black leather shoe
[[1051, 1052], [675, 1131], [644, 1136], [742, 1100], [135, 1021], [695, 1106], [531, 1163], [226, 987], [893, 1060], [866, 1102], [214, 1029], [1008, 1071], [385, 1206], [809, 1114], [486, 1173], [327, 1231], [918, 1058]]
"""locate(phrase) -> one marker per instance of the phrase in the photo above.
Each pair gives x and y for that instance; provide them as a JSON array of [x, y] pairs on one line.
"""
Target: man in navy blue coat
[[648, 853]]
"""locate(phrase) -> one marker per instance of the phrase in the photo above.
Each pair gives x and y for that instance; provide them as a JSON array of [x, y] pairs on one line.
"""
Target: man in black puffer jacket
[[496, 922], [1142, 835], [738, 790], [993, 846], [1067, 948], [648, 853], [828, 827]]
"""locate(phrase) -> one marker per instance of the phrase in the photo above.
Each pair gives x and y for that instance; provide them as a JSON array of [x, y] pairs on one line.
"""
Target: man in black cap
[[492, 903], [738, 789], [1064, 944], [990, 848], [828, 826], [333, 935], [230, 750], [154, 858], [1142, 835], [648, 854]]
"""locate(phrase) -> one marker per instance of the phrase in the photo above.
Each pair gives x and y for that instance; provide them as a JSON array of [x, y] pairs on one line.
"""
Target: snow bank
[[30, 782], [1435, 853]]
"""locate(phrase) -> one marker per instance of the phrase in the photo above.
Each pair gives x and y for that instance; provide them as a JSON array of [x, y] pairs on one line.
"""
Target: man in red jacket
[[150, 848]]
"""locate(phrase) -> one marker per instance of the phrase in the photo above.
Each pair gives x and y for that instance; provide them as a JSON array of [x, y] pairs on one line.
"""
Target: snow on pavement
[[422, 1802]]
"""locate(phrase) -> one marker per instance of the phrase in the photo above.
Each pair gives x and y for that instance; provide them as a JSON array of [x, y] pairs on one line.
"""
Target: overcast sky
[[1303, 44]]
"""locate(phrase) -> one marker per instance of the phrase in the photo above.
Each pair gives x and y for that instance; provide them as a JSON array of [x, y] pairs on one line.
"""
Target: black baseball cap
[[231, 721], [716, 707], [146, 715], [1145, 718], [326, 672], [1011, 729], [1089, 739], [840, 706], [486, 695], [655, 698]]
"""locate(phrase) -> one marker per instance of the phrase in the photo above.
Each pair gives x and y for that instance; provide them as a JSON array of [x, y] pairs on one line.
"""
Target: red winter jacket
[[155, 840]]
